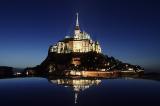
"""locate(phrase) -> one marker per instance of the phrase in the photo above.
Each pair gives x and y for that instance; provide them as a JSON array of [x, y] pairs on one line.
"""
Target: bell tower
[[77, 28]]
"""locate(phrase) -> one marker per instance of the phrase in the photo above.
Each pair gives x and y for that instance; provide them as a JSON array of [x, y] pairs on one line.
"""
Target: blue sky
[[126, 29]]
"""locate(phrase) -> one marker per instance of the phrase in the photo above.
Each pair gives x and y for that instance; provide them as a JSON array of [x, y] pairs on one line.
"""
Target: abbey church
[[79, 42]]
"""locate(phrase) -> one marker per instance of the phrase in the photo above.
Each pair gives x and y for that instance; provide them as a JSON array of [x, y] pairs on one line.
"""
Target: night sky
[[128, 30]]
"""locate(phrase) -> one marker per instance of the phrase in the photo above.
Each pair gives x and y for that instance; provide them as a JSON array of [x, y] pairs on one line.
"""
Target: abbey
[[79, 42], [79, 55]]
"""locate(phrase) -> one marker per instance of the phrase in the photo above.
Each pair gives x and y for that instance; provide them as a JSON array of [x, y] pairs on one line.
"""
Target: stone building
[[79, 42]]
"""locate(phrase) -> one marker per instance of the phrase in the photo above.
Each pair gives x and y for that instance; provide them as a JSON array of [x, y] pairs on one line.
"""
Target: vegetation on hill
[[88, 61]]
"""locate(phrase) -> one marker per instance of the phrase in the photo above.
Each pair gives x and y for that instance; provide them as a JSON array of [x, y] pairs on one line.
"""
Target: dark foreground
[[38, 91]]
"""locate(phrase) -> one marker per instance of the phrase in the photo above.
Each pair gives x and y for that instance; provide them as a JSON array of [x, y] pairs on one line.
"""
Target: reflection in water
[[77, 85], [34, 91]]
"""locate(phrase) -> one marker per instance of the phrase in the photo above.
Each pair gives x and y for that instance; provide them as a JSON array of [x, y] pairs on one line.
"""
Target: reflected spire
[[75, 97]]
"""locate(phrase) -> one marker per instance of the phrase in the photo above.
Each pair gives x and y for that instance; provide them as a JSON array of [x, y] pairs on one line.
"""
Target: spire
[[77, 23], [77, 28]]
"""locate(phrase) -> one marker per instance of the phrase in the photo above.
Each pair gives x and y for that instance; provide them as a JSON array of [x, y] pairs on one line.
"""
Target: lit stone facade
[[80, 42]]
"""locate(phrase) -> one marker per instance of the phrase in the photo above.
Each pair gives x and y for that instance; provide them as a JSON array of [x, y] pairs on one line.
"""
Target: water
[[36, 91]]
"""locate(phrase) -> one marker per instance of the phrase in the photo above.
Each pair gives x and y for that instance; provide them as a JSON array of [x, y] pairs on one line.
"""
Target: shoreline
[[103, 74]]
